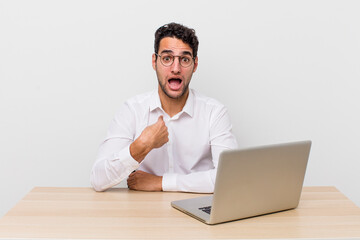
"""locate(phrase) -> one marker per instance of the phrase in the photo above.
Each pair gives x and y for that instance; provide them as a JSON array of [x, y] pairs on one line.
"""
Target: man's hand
[[153, 136], [140, 180]]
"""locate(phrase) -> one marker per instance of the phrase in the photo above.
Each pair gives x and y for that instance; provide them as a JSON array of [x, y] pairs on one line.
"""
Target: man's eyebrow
[[166, 51], [182, 53], [187, 53]]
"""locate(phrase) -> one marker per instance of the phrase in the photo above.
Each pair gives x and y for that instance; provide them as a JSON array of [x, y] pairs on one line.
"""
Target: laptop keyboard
[[206, 209]]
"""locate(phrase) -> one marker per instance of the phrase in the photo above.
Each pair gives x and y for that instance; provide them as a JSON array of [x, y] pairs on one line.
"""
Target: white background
[[286, 70]]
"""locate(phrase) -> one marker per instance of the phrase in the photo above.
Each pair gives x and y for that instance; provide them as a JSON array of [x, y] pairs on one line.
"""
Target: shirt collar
[[189, 105], [155, 101], [188, 108]]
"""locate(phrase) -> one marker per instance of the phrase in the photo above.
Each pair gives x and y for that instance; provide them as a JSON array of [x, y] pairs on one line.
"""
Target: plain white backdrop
[[286, 70]]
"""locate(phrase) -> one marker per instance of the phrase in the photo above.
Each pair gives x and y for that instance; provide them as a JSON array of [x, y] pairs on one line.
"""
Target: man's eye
[[185, 59], [167, 58]]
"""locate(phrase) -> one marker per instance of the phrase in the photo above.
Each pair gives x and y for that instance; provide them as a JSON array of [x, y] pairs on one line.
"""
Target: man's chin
[[175, 94]]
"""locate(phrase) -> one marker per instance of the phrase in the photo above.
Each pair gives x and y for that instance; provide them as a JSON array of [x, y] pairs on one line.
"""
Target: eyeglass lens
[[168, 59]]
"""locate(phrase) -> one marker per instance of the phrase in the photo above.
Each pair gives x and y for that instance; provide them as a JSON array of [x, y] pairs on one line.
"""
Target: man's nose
[[176, 67]]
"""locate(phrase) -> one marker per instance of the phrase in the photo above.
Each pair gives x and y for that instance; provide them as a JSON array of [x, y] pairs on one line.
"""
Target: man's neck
[[170, 105]]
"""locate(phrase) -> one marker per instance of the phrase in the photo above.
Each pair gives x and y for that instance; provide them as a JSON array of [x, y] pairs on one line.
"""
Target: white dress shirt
[[187, 162]]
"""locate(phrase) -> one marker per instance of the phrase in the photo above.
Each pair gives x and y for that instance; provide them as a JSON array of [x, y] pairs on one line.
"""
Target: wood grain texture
[[81, 213]]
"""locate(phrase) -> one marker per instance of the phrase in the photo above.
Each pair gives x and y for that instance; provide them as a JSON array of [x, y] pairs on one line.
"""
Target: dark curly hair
[[185, 34]]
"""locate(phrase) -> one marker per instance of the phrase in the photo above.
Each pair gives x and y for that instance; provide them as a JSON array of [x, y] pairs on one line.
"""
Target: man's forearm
[[139, 150], [200, 182]]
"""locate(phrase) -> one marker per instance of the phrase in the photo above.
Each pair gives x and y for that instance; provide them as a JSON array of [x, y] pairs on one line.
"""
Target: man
[[169, 139]]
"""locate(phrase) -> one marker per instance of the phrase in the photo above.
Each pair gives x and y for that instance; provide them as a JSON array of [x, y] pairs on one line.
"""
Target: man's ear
[[154, 61], [195, 64]]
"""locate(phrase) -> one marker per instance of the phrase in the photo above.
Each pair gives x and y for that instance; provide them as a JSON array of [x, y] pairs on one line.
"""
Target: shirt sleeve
[[114, 162], [221, 138]]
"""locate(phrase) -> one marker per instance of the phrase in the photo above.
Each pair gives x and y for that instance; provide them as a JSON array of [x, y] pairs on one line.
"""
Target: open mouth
[[175, 83]]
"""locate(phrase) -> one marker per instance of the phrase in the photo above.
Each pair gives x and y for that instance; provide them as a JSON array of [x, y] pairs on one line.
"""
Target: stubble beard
[[185, 89], [162, 86]]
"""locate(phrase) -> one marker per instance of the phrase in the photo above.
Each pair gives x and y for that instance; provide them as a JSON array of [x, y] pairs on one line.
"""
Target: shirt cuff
[[169, 182], [127, 159]]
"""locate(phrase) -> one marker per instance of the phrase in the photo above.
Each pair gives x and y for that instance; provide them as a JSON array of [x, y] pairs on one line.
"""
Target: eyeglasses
[[167, 59]]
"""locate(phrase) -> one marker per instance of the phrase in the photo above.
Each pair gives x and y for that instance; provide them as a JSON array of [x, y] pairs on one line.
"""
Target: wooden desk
[[120, 213]]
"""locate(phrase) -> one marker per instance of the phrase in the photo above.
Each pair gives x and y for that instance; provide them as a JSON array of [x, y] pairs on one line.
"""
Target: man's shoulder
[[205, 100], [137, 104]]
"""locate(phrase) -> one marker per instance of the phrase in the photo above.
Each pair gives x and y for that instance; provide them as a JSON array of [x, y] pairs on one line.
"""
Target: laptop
[[252, 182]]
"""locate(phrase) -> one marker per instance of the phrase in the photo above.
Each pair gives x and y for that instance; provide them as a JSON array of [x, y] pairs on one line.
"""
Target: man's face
[[174, 80]]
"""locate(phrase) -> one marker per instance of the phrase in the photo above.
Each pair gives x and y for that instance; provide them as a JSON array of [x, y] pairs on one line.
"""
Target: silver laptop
[[252, 182]]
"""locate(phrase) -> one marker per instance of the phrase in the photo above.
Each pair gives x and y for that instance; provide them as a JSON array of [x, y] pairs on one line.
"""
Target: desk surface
[[323, 212]]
